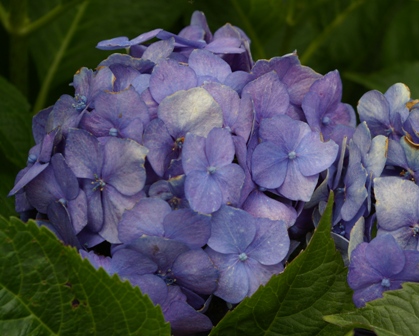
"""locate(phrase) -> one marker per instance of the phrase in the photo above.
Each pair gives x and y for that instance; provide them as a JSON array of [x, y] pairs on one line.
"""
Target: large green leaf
[[397, 313], [15, 125], [294, 302], [47, 289]]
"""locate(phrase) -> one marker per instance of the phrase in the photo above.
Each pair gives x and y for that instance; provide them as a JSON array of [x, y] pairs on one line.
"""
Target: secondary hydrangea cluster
[[190, 170]]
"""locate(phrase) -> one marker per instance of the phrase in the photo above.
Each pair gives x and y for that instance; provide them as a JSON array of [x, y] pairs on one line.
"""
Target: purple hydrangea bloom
[[246, 250], [211, 177], [324, 111], [290, 157], [397, 206], [379, 266], [193, 111], [121, 114], [112, 175], [403, 157], [385, 113], [57, 183]]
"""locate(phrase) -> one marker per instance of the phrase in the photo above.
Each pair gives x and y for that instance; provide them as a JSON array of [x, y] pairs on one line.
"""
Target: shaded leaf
[[15, 125], [407, 73], [47, 289], [294, 302], [99, 21], [397, 313]]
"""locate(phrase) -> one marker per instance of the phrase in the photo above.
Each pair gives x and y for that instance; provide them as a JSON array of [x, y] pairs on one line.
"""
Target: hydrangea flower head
[[246, 250], [290, 157], [379, 266]]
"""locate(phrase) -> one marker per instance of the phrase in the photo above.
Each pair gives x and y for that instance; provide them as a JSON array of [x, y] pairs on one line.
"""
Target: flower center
[[178, 143], [385, 283], [292, 155], [32, 158], [63, 201], [167, 277], [113, 132], [81, 103], [326, 121], [415, 229], [98, 183], [211, 170], [243, 256]]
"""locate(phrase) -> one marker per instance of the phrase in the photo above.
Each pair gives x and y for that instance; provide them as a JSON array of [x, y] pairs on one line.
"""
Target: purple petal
[[385, 256], [233, 284], [271, 243], [269, 95], [126, 262], [397, 202], [192, 111], [65, 177], [61, 223], [232, 230], [160, 250], [361, 274], [169, 77], [313, 155], [259, 274], [114, 205], [219, 147], [296, 186], [39, 122], [269, 165], [28, 176], [161, 146], [83, 154], [77, 209], [398, 95], [94, 206], [183, 319], [230, 179], [124, 165], [225, 45], [187, 226], [114, 43], [205, 63], [283, 131], [374, 108], [146, 218], [260, 205], [193, 154], [194, 270], [203, 192], [151, 285], [160, 50]]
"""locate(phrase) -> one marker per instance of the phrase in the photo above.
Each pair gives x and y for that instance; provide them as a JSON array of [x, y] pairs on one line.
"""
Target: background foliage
[[373, 43]]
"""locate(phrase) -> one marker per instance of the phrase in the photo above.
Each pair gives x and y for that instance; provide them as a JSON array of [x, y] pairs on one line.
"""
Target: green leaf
[[294, 302], [47, 289], [407, 73], [7, 207], [397, 313], [15, 125]]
